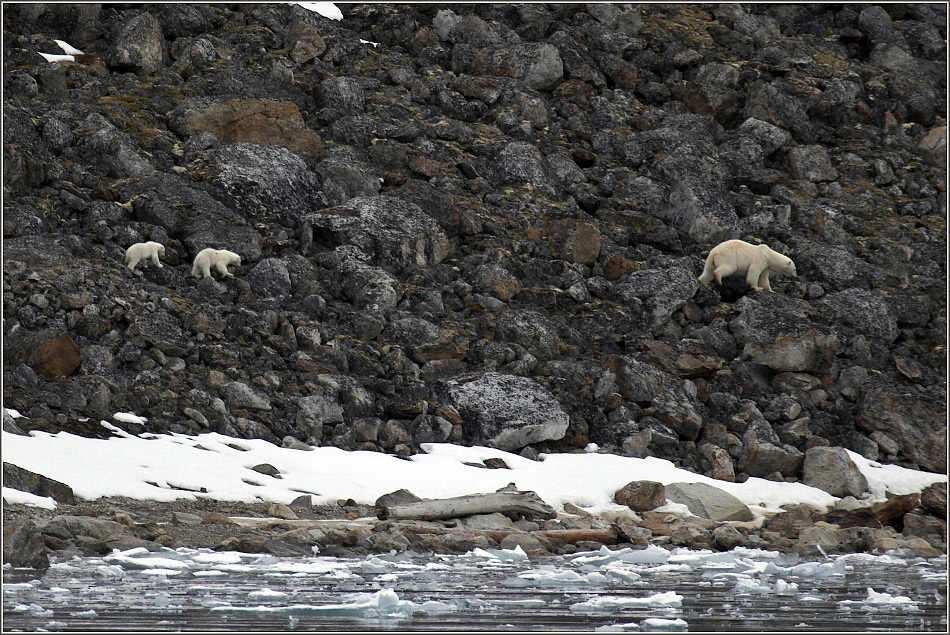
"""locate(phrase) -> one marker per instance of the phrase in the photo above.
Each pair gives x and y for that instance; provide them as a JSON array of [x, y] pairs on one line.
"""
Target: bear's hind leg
[[707, 275], [724, 270]]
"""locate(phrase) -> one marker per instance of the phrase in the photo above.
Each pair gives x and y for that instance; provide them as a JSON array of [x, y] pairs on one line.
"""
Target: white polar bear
[[737, 256], [217, 258], [143, 252]]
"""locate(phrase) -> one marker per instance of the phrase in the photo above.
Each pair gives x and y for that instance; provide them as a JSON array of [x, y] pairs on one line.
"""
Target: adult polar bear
[[214, 258], [737, 256], [142, 253]]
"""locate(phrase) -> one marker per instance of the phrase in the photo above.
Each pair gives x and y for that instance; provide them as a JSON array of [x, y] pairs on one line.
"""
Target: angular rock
[[395, 233], [539, 66], [780, 339], [260, 180], [506, 411], [271, 277], [707, 501], [661, 291], [239, 395], [867, 311], [495, 281], [258, 121], [71, 527], [934, 499], [163, 331], [139, 47], [18, 478], [50, 352], [641, 496], [832, 470], [23, 546], [811, 163]]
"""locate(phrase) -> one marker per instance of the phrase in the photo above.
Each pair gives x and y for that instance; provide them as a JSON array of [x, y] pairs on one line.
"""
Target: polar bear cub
[[214, 258], [737, 256], [143, 252]]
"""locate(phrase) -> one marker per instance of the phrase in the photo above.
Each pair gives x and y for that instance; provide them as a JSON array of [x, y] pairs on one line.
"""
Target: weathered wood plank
[[527, 504]]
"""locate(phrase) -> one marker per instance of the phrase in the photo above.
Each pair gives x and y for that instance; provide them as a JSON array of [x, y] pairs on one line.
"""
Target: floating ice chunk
[[162, 599], [618, 628], [208, 574], [89, 613], [651, 555], [14, 587], [746, 586], [660, 624], [785, 588], [129, 417], [56, 625], [886, 598], [68, 48], [505, 555], [209, 601], [384, 602], [809, 569], [612, 602], [159, 572], [33, 609], [670, 568], [221, 557], [112, 571], [266, 595], [129, 562], [539, 577], [49, 57], [326, 9], [134, 551], [433, 607], [621, 575]]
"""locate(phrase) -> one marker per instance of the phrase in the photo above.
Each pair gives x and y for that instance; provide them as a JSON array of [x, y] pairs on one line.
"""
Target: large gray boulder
[[832, 470], [660, 291], [505, 411], [139, 47], [866, 311], [707, 501], [538, 66], [260, 180], [780, 338], [395, 233]]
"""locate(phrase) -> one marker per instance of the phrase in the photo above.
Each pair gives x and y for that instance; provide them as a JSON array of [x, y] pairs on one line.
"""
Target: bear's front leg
[[764, 280], [156, 261], [223, 270]]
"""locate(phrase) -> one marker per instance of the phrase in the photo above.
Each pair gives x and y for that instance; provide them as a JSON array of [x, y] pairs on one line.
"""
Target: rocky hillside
[[483, 224]]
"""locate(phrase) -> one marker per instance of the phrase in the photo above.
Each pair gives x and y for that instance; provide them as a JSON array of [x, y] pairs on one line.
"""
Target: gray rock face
[[258, 180], [70, 527], [811, 163], [23, 546], [163, 331], [661, 291], [519, 163], [111, 151], [539, 66], [139, 46], [397, 234], [342, 93], [867, 311], [832, 470], [366, 286], [239, 395], [270, 277], [781, 339], [506, 411], [707, 501], [529, 329], [673, 399], [317, 410]]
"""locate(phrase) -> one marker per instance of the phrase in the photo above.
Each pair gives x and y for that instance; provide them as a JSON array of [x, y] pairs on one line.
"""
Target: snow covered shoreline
[[178, 471]]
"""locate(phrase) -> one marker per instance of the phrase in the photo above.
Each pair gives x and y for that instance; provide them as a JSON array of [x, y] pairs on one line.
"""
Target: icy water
[[498, 590]]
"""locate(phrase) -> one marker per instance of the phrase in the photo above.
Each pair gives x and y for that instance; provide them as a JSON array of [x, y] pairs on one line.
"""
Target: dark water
[[216, 592]]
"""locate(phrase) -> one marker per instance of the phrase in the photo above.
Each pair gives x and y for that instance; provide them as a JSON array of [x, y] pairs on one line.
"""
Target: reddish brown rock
[[641, 496], [893, 509]]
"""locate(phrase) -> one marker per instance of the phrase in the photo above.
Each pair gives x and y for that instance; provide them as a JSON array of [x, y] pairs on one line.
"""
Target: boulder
[[270, 277], [520, 163], [18, 478], [660, 291], [366, 286], [50, 352], [71, 527], [917, 426], [109, 151], [811, 163], [537, 65], [496, 281], [641, 496], [163, 331], [395, 233], [258, 121], [24, 547], [934, 499], [572, 240], [866, 311], [139, 46], [831, 469], [345, 94], [763, 453], [505, 411], [260, 180], [891, 511], [707, 501], [781, 339], [239, 395]]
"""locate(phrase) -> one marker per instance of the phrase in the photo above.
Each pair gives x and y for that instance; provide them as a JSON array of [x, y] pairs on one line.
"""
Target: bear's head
[[787, 266], [161, 250], [235, 259]]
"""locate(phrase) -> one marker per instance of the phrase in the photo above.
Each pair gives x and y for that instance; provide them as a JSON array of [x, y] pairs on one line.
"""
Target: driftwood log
[[572, 536], [527, 504]]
